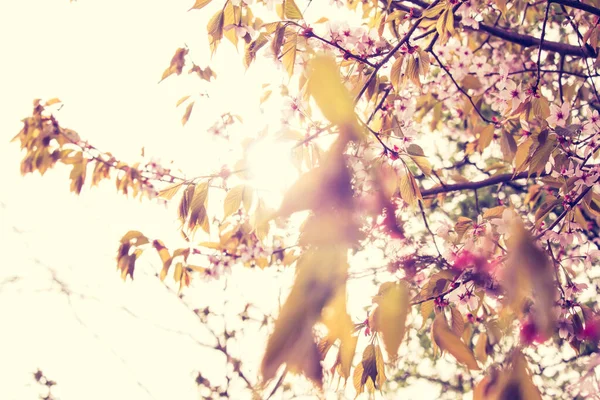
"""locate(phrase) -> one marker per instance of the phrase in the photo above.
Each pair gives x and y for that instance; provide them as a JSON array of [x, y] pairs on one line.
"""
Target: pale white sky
[[103, 60]]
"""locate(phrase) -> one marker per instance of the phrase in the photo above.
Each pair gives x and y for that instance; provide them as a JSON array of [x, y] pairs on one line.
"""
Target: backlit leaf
[[330, 94], [288, 54], [291, 10], [450, 342], [393, 308], [170, 191]]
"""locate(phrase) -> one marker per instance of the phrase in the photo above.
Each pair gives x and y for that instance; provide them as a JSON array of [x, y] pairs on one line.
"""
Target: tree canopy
[[456, 142]]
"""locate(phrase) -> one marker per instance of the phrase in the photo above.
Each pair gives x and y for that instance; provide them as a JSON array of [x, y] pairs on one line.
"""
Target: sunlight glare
[[270, 165]]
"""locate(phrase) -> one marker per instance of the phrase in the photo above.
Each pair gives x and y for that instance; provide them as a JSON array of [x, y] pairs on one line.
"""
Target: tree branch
[[475, 185], [517, 38]]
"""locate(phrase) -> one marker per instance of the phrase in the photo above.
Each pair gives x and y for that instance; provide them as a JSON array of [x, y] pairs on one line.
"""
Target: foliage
[[465, 151]]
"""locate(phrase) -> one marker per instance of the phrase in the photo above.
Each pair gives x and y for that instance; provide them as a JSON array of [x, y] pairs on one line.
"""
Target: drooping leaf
[[292, 341], [529, 274], [288, 54], [393, 309], [450, 342], [330, 94]]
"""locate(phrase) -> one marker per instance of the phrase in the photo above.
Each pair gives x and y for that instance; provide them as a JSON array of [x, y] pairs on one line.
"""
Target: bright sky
[[103, 60]]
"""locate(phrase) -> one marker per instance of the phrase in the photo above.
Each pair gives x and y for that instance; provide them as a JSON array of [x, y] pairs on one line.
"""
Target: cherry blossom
[[559, 115], [505, 223], [480, 66], [513, 94]]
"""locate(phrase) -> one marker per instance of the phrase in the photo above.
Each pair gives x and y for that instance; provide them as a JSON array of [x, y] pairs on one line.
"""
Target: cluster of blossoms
[[359, 41]]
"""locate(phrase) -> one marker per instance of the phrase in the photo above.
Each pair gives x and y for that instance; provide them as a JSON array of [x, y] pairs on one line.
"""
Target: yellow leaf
[[288, 54], [480, 347], [52, 101], [423, 164], [291, 10], [458, 323], [485, 137], [215, 29], [199, 4], [508, 145], [448, 341], [168, 192], [330, 94], [494, 212], [182, 100], [188, 112], [393, 308], [426, 310], [314, 286], [409, 191], [370, 372], [177, 63], [396, 72], [501, 4]]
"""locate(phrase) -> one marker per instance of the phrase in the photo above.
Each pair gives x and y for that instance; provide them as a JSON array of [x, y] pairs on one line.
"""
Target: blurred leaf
[[393, 308], [321, 274], [329, 93], [529, 274]]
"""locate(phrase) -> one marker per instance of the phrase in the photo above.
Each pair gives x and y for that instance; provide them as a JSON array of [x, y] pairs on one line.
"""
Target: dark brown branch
[[517, 38], [530, 41], [494, 180], [578, 5]]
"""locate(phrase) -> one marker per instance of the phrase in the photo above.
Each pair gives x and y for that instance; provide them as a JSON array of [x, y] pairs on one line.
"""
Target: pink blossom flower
[[504, 224], [558, 115], [480, 66], [572, 289], [513, 94]]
